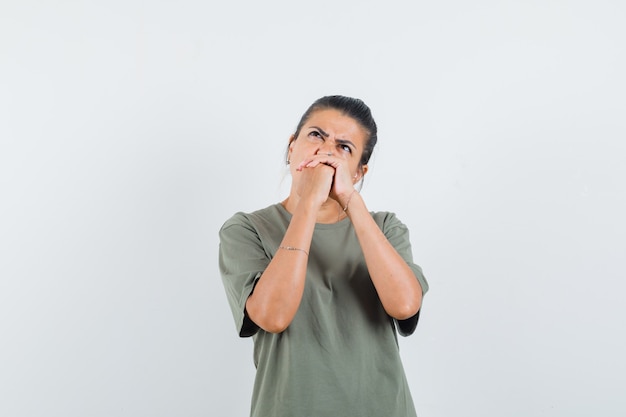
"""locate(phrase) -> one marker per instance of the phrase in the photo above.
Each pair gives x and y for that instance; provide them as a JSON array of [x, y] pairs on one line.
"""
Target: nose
[[326, 148]]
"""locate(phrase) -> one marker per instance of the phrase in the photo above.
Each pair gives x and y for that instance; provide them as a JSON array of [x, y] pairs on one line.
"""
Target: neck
[[329, 212]]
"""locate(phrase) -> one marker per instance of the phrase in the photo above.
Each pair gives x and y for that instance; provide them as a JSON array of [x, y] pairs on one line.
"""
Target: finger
[[308, 163], [302, 164], [323, 160]]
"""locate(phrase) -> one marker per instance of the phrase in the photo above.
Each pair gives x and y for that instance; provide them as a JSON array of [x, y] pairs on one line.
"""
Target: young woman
[[321, 283]]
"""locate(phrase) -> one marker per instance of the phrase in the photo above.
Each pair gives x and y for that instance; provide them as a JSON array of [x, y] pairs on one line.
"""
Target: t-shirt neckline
[[341, 223]]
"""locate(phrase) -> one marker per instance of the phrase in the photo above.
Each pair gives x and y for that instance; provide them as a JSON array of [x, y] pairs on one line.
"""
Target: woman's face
[[330, 131]]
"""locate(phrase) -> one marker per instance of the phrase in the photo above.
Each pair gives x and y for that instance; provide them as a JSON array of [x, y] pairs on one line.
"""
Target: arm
[[398, 289], [277, 295]]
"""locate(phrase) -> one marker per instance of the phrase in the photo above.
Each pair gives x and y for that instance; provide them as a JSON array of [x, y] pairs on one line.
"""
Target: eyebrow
[[321, 131], [340, 141]]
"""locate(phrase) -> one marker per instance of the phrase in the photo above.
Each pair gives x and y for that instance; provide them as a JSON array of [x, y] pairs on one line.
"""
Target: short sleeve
[[242, 260], [398, 235]]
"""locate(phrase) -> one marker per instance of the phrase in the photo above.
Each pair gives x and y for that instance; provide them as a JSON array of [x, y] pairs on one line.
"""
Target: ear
[[292, 139], [362, 171]]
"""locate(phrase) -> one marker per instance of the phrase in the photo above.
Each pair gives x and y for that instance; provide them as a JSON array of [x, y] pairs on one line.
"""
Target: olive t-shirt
[[339, 356]]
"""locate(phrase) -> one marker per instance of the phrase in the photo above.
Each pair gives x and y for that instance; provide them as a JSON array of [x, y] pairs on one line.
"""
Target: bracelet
[[292, 248], [348, 202]]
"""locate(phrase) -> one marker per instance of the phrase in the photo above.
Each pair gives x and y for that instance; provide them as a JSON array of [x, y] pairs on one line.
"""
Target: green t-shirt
[[339, 356]]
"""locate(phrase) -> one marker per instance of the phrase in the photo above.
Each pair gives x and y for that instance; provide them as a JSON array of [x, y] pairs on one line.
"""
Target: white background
[[131, 130]]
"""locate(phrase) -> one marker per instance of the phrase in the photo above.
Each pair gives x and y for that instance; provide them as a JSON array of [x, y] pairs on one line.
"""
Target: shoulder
[[264, 215], [264, 223], [387, 220]]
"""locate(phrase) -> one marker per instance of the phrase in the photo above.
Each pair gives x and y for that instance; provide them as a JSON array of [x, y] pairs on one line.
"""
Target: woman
[[321, 283]]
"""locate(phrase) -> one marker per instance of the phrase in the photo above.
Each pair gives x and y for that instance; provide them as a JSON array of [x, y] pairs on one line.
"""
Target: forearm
[[398, 289], [276, 297]]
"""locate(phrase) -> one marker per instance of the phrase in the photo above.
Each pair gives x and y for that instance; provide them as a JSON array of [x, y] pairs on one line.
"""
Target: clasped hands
[[324, 175]]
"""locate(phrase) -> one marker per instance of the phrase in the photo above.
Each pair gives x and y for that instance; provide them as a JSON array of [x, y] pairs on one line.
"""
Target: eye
[[345, 148], [316, 135]]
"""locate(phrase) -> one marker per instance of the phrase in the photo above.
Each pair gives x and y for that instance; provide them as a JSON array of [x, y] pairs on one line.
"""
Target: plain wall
[[130, 131]]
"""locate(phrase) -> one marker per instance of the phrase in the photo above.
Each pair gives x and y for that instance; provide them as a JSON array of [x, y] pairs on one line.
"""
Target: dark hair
[[352, 107]]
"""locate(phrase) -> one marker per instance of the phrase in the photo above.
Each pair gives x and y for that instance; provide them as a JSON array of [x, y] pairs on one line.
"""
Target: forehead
[[336, 123]]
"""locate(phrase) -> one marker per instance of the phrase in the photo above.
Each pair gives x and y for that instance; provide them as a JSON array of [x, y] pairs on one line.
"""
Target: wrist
[[308, 207], [345, 201]]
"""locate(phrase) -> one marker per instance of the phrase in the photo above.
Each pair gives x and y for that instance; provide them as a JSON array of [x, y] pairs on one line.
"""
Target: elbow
[[274, 324], [271, 323], [409, 305], [275, 327], [270, 316], [406, 310], [405, 313]]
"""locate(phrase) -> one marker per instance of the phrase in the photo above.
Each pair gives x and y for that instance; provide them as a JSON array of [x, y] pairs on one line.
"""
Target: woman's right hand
[[314, 184]]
